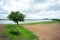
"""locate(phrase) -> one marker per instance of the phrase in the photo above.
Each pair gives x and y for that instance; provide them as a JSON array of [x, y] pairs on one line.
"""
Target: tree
[[16, 16]]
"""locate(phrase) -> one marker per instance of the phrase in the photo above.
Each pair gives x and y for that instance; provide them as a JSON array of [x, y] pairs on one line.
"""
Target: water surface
[[26, 21]]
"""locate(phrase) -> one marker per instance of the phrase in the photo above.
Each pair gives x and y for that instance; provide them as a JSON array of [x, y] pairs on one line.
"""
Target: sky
[[33, 9]]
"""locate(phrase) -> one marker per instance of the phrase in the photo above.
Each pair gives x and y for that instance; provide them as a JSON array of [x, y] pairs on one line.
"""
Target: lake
[[26, 21]]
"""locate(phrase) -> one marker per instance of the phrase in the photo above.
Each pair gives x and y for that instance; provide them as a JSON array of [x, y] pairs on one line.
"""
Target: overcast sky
[[33, 9]]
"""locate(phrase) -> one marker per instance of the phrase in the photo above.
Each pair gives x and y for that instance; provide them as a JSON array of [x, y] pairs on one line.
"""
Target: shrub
[[14, 32]]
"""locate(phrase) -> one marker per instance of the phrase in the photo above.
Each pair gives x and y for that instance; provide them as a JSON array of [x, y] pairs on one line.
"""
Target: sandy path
[[46, 31], [1, 32]]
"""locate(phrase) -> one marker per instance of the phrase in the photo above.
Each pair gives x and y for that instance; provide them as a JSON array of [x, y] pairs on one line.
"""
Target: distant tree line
[[56, 20]]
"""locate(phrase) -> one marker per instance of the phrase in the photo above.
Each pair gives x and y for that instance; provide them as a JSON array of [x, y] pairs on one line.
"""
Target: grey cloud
[[17, 0], [2, 11], [5, 2], [31, 11], [54, 8], [39, 1]]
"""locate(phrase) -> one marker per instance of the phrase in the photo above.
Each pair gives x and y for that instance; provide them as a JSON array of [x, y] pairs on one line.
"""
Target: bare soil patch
[[45, 31], [1, 32]]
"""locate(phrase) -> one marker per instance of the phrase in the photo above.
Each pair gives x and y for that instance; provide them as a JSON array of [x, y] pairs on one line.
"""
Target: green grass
[[46, 22], [24, 34]]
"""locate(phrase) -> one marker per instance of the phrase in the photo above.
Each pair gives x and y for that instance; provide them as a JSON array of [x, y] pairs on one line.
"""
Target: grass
[[46, 22], [24, 34]]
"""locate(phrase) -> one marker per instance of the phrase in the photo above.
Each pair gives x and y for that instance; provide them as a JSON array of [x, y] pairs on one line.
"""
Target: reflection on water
[[26, 21]]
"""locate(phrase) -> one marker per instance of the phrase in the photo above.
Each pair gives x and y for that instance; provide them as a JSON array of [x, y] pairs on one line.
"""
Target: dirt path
[[1, 32], [46, 31]]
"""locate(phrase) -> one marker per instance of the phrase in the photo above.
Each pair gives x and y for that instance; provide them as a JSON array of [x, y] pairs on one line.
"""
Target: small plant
[[14, 32]]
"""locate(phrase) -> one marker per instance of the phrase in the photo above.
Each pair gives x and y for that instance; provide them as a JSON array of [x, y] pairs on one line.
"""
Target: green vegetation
[[57, 20], [16, 16], [12, 32], [46, 22]]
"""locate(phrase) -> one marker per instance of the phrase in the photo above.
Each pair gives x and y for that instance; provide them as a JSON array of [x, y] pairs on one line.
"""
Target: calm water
[[26, 21]]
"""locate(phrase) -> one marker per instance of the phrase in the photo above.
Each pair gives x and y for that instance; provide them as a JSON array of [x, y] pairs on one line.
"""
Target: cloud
[[43, 1], [40, 6], [55, 7], [2, 11], [3, 16], [33, 9], [13, 5], [39, 1]]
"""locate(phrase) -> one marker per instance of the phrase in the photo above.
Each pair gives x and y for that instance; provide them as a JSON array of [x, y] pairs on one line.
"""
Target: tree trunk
[[17, 23]]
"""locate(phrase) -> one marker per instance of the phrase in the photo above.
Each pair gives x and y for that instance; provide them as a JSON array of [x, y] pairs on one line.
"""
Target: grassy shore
[[46, 22], [14, 32]]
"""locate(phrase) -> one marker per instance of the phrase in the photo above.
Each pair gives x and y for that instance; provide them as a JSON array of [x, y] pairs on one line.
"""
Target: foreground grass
[[46, 22], [24, 34]]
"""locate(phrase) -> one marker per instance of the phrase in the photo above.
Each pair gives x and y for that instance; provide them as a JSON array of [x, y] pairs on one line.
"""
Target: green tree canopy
[[16, 16]]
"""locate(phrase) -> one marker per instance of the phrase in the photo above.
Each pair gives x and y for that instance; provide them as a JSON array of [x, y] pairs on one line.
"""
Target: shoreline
[[12, 22]]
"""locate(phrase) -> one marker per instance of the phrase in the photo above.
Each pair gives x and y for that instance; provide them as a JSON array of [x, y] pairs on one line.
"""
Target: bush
[[58, 20], [14, 32]]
